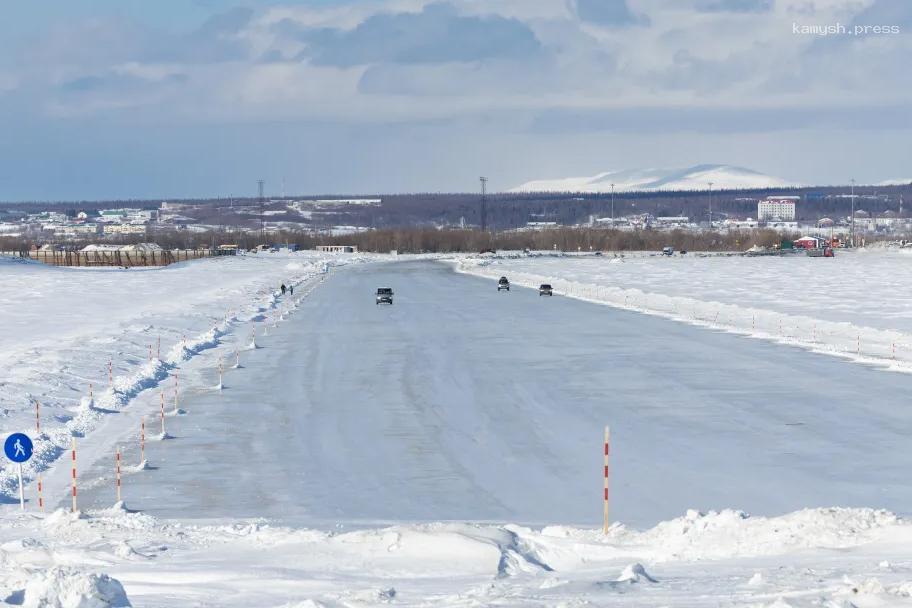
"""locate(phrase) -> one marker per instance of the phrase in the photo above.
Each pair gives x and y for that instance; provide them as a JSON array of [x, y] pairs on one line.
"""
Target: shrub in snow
[[70, 588]]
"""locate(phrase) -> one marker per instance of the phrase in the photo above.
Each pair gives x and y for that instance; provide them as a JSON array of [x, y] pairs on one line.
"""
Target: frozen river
[[459, 402]]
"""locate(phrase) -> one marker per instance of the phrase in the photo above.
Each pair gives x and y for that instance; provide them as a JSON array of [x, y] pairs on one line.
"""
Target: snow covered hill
[[723, 177]]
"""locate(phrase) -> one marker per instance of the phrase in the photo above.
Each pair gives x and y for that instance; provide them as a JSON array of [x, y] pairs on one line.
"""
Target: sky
[[198, 98]]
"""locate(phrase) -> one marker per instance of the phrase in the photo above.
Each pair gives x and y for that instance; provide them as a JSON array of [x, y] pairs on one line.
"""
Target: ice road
[[459, 402]]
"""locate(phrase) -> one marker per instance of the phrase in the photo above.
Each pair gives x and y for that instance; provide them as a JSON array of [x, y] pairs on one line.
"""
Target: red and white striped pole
[[40, 494], [37, 418], [117, 471], [163, 413], [73, 457], [159, 348], [607, 447], [142, 440]]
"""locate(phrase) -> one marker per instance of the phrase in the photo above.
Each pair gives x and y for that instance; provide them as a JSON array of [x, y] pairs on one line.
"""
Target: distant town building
[[337, 248], [124, 229], [777, 208]]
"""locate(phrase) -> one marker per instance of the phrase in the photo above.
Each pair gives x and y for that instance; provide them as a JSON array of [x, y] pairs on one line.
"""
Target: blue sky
[[139, 99]]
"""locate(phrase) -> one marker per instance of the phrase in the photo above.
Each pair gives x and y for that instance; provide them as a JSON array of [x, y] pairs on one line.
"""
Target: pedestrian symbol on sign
[[18, 447]]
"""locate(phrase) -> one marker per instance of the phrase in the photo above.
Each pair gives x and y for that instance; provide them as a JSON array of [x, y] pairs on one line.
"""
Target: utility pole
[[612, 205], [260, 187], [484, 203], [710, 205], [852, 237]]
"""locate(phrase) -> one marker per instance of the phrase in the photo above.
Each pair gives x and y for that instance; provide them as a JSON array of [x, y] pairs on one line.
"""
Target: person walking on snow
[[291, 289], [283, 289]]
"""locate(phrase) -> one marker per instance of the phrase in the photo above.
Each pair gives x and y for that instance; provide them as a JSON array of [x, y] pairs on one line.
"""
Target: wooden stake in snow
[[237, 358], [117, 471], [73, 457], [37, 418], [91, 394], [111, 374], [605, 498], [221, 371], [158, 351], [150, 353], [175, 390]]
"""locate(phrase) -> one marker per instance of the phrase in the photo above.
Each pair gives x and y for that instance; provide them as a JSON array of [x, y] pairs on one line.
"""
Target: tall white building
[[777, 208]]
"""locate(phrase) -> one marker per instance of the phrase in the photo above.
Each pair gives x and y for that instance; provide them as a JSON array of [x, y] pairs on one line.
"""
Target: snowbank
[[70, 588], [727, 558]]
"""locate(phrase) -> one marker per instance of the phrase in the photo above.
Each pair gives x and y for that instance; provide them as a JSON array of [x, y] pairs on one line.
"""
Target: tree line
[[433, 240]]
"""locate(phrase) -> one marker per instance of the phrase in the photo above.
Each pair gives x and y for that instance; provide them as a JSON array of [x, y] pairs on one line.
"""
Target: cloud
[[735, 6], [746, 119], [216, 40], [437, 34], [613, 13]]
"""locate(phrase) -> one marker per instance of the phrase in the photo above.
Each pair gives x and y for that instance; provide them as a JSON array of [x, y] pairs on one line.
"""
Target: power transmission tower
[[852, 237], [710, 205], [484, 203]]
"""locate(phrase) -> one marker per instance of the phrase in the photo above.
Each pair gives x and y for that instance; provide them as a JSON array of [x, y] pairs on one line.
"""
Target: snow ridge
[[697, 177]]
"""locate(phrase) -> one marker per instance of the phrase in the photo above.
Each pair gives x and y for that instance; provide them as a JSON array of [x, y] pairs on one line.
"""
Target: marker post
[[74, 473], [607, 446], [117, 471]]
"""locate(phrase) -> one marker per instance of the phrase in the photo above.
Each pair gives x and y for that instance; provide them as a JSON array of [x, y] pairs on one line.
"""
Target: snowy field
[[445, 450], [854, 305]]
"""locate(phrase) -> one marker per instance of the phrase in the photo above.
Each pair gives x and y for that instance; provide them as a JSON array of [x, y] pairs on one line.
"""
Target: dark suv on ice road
[[384, 295], [545, 290], [503, 283]]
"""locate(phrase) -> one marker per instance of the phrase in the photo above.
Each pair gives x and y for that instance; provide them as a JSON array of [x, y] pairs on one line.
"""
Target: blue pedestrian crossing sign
[[18, 447]]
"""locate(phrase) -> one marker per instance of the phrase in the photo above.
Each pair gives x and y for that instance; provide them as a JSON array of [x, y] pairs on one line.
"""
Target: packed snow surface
[[723, 177]]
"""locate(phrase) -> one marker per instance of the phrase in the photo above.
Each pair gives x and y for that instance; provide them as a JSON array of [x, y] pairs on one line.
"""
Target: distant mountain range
[[723, 177]]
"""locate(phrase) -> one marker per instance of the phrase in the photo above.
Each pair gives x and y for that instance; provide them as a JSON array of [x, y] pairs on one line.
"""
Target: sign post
[[18, 448]]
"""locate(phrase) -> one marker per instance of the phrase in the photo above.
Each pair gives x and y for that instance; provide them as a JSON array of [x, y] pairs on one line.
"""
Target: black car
[[503, 284], [384, 295], [545, 290]]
